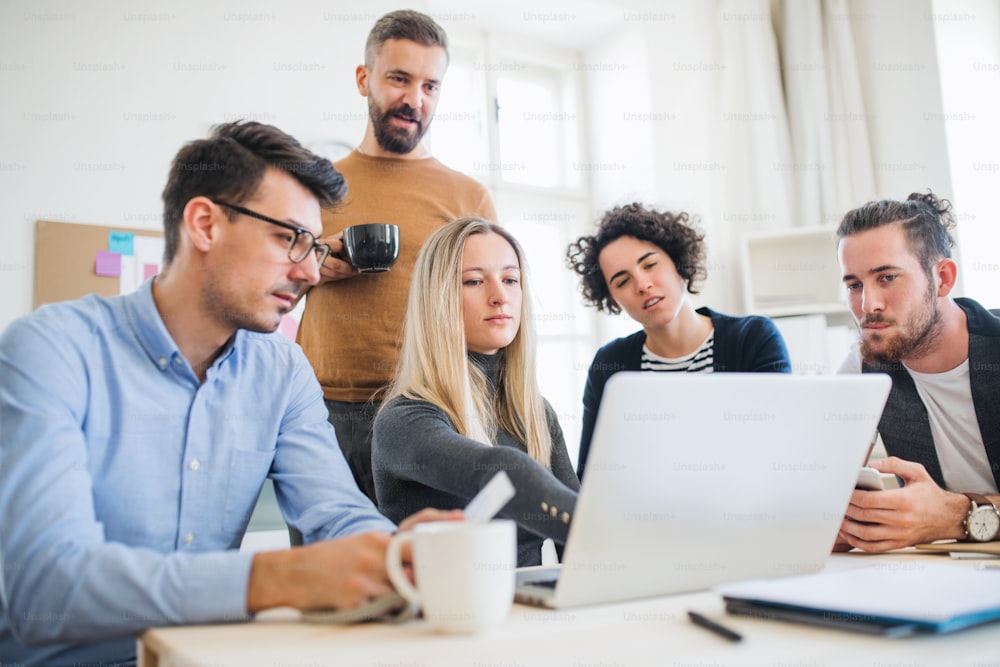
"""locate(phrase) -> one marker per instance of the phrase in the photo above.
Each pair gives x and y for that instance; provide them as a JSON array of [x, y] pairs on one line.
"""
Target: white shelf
[[794, 277], [804, 309], [793, 272]]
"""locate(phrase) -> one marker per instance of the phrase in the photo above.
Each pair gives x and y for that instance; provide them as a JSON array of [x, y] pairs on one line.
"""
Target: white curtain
[[797, 140], [759, 190], [831, 153], [766, 127]]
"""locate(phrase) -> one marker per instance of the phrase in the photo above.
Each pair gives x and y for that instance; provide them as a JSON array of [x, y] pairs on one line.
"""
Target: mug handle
[[394, 567]]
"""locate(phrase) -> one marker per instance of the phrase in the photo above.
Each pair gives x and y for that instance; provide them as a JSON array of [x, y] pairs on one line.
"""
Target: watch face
[[984, 524]]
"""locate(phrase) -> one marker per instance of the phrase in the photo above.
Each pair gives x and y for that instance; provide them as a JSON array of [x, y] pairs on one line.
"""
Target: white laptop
[[697, 480]]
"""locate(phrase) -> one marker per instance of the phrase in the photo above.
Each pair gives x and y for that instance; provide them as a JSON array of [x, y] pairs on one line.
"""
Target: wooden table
[[655, 631]]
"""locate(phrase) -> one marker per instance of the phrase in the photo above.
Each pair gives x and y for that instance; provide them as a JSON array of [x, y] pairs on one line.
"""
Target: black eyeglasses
[[303, 241]]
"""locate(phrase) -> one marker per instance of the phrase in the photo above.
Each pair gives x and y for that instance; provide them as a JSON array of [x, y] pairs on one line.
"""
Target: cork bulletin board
[[67, 258]]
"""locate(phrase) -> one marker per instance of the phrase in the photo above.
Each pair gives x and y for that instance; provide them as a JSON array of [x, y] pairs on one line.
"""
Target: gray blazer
[[905, 427], [419, 460]]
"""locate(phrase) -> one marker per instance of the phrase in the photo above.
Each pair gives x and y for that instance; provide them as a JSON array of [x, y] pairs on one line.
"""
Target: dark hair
[[927, 221], [404, 24], [230, 165], [674, 233]]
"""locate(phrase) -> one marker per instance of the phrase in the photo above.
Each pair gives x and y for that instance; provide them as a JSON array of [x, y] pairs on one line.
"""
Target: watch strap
[[979, 499]]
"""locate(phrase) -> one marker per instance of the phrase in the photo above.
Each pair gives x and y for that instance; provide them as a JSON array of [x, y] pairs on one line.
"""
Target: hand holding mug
[[335, 267]]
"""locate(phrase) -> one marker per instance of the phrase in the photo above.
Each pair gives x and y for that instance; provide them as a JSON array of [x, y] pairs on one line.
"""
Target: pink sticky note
[[149, 270], [289, 326], [108, 264]]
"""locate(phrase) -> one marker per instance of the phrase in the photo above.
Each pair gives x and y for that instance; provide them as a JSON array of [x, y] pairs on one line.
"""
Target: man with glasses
[[139, 429], [351, 324]]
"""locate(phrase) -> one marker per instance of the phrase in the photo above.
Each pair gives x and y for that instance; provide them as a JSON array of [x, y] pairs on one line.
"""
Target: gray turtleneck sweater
[[419, 460]]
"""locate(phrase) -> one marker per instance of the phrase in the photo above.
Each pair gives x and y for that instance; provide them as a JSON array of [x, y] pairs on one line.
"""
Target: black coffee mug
[[372, 248]]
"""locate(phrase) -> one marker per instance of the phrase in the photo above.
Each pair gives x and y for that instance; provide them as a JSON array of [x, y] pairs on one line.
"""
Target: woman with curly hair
[[646, 262]]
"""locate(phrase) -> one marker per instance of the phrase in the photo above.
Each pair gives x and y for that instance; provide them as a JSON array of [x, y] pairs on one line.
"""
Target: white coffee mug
[[464, 572]]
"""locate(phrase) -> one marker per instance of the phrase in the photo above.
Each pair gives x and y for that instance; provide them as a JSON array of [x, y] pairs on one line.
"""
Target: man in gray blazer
[[941, 425]]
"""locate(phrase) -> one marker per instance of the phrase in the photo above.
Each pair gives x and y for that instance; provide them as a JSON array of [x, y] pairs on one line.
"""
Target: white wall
[[619, 110], [897, 56]]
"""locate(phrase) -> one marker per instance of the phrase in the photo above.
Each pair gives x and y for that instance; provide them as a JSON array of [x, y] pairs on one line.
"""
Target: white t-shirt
[[955, 430]]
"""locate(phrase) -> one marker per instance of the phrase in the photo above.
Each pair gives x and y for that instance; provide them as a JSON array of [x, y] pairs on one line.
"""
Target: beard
[[234, 311], [917, 336], [392, 138]]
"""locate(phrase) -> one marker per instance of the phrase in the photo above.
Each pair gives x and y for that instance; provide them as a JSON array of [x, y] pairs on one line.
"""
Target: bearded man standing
[[352, 322]]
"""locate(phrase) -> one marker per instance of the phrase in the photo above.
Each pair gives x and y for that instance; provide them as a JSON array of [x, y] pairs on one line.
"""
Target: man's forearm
[[958, 509]]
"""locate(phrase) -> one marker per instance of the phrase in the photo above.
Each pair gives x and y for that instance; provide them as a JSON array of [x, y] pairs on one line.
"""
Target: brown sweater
[[350, 329]]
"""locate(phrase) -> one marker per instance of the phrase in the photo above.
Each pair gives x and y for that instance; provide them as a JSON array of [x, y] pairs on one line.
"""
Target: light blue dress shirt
[[126, 484]]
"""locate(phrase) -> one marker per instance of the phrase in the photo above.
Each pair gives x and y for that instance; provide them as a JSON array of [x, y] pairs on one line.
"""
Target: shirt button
[[162, 362], [189, 538], [195, 464]]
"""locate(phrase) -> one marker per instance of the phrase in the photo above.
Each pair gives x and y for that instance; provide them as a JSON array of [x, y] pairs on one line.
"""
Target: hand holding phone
[[870, 479]]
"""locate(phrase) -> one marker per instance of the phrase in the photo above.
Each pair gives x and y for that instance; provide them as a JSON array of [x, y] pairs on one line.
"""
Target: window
[[459, 134], [509, 117], [537, 129]]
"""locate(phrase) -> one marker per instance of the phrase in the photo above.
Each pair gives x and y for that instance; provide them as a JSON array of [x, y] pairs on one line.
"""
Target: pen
[[711, 625]]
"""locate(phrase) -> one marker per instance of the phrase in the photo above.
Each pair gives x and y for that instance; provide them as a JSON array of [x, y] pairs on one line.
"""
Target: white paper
[[126, 280], [146, 250]]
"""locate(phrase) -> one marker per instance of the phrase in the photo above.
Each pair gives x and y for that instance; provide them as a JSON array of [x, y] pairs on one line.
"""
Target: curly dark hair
[[674, 233], [927, 221]]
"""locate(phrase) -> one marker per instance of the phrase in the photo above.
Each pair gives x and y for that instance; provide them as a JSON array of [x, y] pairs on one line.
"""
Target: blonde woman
[[465, 403]]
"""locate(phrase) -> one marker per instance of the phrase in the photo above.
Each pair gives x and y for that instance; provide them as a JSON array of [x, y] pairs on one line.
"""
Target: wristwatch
[[983, 521]]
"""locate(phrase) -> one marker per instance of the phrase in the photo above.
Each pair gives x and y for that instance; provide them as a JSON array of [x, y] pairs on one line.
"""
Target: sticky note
[[122, 243], [108, 263], [149, 270]]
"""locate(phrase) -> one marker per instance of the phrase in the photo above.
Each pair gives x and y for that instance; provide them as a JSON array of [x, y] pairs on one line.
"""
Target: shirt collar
[[146, 322]]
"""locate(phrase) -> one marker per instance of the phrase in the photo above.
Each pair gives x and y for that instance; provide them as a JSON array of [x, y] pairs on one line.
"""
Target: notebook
[[892, 598], [697, 480], [971, 549]]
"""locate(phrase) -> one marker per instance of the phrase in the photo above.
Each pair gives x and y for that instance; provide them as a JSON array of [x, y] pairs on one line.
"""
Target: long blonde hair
[[434, 365]]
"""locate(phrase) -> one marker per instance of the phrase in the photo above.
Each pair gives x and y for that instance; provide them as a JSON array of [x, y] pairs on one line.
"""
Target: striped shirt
[[700, 361]]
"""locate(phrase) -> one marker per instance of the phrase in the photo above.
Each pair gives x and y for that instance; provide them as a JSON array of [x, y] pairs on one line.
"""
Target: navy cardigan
[[742, 344]]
